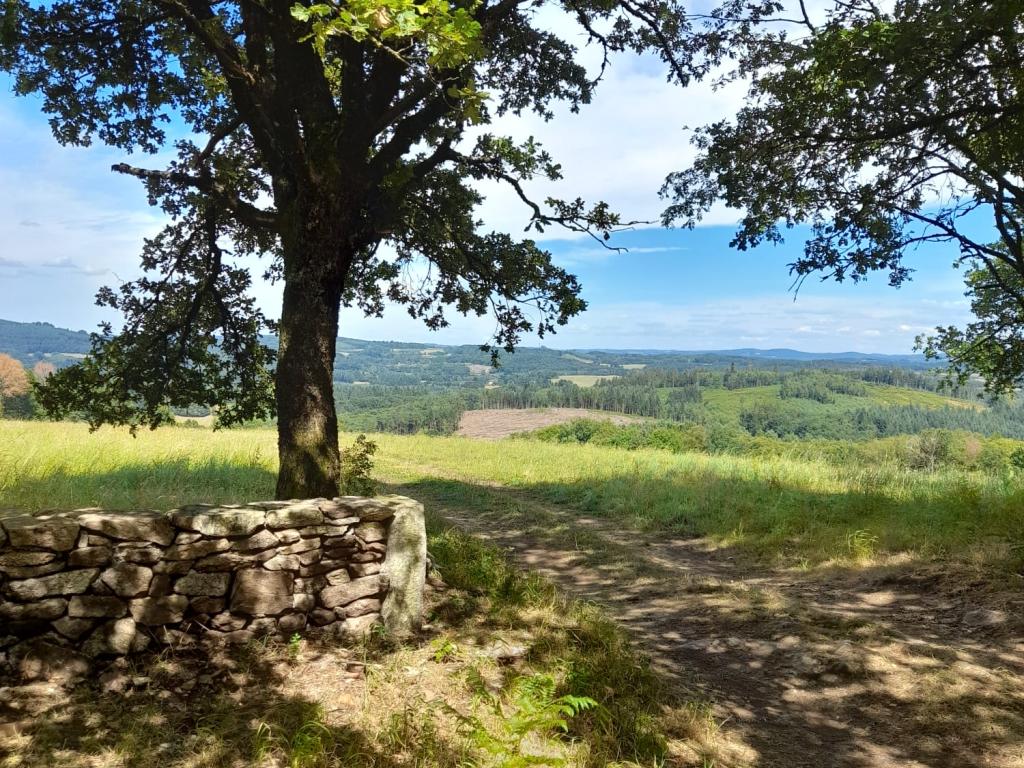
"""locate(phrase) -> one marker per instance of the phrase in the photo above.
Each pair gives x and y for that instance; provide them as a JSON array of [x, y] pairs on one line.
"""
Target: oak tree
[[883, 126], [335, 139]]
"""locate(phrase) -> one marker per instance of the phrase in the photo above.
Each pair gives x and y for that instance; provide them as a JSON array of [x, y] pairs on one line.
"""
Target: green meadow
[[783, 509]]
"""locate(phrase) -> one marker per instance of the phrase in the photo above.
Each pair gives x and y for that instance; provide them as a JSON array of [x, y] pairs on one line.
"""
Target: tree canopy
[[332, 138], [883, 126]]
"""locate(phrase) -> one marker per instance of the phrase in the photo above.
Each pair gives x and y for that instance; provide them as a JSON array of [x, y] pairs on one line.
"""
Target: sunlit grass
[[799, 509]]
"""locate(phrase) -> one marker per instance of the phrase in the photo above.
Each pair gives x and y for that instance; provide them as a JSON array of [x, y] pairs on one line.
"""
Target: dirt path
[[874, 668]]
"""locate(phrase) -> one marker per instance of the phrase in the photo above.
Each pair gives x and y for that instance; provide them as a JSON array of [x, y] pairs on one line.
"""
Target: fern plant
[[531, 708]]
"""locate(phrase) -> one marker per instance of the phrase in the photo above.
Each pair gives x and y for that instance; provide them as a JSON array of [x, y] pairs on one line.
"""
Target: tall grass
[[796, 508]]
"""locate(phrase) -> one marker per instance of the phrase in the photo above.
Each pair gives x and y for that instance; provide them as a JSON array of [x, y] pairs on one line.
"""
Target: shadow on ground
[[896, 665], [234, 707]]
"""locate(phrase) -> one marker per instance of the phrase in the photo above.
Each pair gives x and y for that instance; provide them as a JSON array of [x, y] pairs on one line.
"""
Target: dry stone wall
[[115, 583]]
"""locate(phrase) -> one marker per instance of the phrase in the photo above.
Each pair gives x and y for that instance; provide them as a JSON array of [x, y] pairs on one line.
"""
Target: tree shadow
[[853, 667], [237, 706]]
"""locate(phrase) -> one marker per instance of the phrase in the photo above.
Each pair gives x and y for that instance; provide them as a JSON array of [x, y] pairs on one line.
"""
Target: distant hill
[[399, 363], [32, 342]]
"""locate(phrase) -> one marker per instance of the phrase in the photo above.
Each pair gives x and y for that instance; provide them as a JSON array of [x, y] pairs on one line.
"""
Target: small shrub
[[356, 468], [1017, 458]]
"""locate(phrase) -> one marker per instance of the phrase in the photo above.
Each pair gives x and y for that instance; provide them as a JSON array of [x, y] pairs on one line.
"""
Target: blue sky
[[69, 225]]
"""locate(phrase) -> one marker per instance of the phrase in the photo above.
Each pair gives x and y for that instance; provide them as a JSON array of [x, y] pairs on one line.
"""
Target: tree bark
[[307, 423]]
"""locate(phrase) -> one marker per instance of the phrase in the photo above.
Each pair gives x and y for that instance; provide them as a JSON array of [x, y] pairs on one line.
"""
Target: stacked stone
[[112, 584]]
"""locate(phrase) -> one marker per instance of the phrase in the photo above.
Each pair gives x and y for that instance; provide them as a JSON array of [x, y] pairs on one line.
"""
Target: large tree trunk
[[307, 424]]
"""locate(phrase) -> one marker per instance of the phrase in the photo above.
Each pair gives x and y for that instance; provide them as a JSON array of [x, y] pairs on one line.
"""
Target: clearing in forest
[[496, 423]]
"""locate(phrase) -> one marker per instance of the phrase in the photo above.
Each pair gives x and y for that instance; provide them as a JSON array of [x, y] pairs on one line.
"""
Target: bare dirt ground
[[496, 423], [887, 665]]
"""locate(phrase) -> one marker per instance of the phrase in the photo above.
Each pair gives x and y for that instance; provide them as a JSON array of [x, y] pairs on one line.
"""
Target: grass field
[[800, 511], [285, 705]]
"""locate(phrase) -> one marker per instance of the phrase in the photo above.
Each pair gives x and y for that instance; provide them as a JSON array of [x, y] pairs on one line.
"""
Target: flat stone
[[127, 580], [220, 521], [262, 593], [367, 557], [142, 526], [372, 531], [298, 515], [198, 549], [322, 616], [31, 571], [264, 626], [343, 594], [359, 626], [303, 603], [223, 561], [238, 637], [85, 557], [115, 638], [73, 628], [160, 585], [360, 607], [260, 540], [96, 606], [287, 536], [154, 611], [283, 563], [47, 532], [39, 660], [374, 510], [173, 567], [302, 545], [64, 583], [309, 558], [146, 555], [328, 529], [209, 605], [23, 557], [358, 570], [324, 566], [184, 537], [209, 584], [293, 622], [227, 622], [42, 609], [334, 578], [268, 505]]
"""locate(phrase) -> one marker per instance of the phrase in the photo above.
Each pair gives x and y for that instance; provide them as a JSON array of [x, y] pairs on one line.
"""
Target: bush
[[356, 468]]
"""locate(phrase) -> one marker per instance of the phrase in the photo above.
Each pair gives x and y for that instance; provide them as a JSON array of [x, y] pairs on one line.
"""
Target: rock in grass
[[40, 660], [117, 638]]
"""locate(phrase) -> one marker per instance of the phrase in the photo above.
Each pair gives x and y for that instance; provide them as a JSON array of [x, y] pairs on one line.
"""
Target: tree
[[13, 377], [883, 129], [333, 138], [43, 370]]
